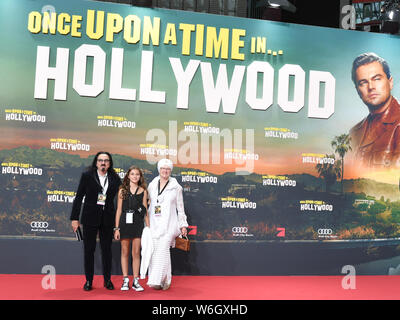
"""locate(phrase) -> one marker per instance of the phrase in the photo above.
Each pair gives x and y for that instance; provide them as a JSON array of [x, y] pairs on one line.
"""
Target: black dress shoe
[[87, 286], [108, 285]]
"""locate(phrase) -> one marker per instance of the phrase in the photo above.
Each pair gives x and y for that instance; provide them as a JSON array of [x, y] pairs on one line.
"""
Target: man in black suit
[[99, 185]]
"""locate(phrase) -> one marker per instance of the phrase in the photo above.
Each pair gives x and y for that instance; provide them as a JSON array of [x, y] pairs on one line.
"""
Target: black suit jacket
[[89, 187]]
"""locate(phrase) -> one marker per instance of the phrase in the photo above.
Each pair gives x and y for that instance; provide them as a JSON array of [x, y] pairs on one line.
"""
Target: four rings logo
[[324, 231], [240, 229], [39, 224]]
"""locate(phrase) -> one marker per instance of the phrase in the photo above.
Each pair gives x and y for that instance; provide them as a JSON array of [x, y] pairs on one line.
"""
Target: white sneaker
[[136, 286], [125, 284]]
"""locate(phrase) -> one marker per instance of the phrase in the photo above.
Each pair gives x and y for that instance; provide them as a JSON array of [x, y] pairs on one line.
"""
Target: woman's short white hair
[[164, 163]]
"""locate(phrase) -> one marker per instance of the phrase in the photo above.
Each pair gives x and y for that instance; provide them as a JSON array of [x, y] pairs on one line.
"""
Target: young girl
[[129, 222]]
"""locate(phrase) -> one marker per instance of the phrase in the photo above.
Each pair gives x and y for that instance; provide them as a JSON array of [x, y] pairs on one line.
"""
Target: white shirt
[[103, 182]]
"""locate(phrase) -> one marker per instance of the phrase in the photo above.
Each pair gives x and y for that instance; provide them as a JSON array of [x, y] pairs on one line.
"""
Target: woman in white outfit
[[167, 221]]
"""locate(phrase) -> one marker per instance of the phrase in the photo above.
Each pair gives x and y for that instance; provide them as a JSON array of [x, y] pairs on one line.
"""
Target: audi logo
[[324, 231], [240, 229], [39, 224]]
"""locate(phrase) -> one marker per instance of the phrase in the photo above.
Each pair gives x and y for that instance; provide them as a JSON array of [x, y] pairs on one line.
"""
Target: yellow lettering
[[76, 25], [253, 45], [199, 40], [150, 30], [132, 21], [61, 20], [170, 34], [114, 25], [187, 29], [34, 22], [99, 25], [49, 22], [237, 44], [261, 44], [216, 44]]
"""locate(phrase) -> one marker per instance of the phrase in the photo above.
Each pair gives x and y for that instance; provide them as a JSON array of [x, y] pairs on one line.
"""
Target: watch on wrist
[[116, 228]]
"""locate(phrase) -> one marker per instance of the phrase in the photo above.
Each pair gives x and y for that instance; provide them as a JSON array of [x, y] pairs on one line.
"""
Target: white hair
[[164, 163]]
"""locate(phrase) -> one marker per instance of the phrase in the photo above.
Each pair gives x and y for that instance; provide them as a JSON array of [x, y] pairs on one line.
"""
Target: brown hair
[[125, 186]]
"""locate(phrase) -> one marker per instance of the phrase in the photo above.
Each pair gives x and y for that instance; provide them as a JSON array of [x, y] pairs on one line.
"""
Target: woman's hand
[[184, 231], [117, 235]]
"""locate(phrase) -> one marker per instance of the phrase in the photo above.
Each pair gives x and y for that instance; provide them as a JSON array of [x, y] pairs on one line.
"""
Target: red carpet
[[69, 287]]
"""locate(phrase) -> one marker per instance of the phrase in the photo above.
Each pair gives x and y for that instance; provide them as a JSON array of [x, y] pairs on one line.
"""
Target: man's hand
[[75, 225]]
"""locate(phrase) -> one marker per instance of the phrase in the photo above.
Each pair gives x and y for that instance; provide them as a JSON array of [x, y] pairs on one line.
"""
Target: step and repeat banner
[[273, 133]]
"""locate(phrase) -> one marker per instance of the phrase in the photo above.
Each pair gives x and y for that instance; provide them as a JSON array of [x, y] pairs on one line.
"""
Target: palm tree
[[341, 144], [329, 172]]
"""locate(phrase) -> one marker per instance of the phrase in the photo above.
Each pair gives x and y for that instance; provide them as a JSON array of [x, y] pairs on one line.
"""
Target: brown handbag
[[182, 243]]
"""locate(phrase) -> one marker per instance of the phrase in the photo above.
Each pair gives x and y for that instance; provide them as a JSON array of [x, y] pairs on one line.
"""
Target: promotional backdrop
[[249, 111]]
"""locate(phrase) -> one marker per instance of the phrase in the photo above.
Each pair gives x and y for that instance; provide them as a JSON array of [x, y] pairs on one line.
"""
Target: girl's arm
[[118, 215], [146, 217]]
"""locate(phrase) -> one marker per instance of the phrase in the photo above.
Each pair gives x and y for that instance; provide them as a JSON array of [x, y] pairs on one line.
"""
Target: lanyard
[[105, 183], [130, 197], [159, 193]]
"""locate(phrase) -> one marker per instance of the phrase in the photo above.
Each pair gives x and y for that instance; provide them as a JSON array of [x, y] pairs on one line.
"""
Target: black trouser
[[89, 244]]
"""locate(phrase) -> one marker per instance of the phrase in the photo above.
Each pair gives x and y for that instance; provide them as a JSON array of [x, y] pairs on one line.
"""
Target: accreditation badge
[[101, 199], [129, 217], [157, 211]]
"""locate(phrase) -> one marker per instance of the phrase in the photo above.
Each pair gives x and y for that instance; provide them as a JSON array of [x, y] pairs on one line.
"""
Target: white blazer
[[173, 216]]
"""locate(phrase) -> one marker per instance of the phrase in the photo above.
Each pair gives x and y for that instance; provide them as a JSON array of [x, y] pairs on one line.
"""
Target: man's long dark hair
[[93, 167]]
